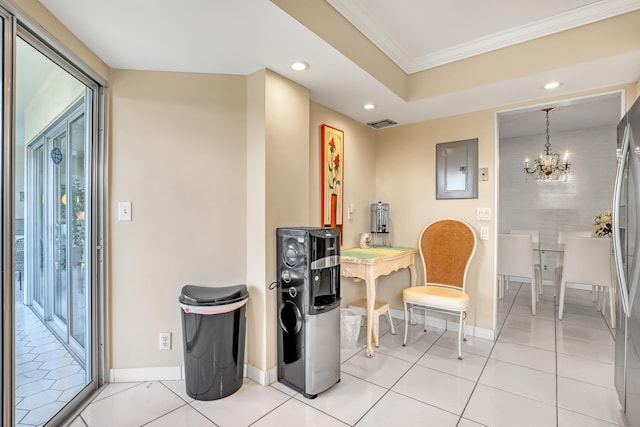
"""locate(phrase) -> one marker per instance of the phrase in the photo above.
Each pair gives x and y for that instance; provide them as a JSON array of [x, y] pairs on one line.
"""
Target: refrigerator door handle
[[617, 244]]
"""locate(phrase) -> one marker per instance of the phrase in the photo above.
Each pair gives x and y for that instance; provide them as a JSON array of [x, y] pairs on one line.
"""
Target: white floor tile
[[580, 348], [381, 369], [294, 413], [132, 407], [444, 391], [519, 380], [586, 321], [348, 400], [585, 333], [421, 384], [113, 388], [594, 401], [250, 403], [284, 388], [77, 423], [179, 388], [573, 419], [529, 323], [544, 339], [523, 355], [586, 370], [418, 342], [446, 360], [397, 410], [474, 345], [496, 408], [468, 423], [183, 416]]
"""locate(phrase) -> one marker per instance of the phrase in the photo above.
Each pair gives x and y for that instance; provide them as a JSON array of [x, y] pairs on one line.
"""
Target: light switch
[[483, 214], [124, 211], [484, 233]]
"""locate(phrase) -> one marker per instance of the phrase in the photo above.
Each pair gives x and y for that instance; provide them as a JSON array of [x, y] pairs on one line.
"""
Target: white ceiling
[[243, 36]]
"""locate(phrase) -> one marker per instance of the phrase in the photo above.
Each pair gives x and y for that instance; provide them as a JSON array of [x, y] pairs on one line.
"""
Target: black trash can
[[213, 330]]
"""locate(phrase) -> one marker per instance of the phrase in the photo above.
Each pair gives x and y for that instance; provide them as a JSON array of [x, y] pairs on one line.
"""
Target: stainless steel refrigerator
[[626, 243]]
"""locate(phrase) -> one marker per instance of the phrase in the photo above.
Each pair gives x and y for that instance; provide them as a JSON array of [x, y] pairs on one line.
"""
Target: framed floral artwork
[[332, 176]]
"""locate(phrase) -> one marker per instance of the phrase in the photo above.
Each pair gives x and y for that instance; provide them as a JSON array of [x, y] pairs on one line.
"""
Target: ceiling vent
[[382, 124]]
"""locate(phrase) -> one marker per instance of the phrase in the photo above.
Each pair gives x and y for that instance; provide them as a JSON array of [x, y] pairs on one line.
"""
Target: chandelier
[[548, 166]]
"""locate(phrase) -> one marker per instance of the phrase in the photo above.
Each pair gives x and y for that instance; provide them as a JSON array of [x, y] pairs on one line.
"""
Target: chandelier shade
[[548, 165]]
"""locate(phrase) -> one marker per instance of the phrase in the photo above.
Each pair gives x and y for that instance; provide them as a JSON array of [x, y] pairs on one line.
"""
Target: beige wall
[[405, 178], [178, 154], [359, 180], [286, 183]]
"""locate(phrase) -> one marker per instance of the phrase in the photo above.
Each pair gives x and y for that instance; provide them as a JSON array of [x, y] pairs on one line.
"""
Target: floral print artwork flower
[[333, 166], [602, 224]]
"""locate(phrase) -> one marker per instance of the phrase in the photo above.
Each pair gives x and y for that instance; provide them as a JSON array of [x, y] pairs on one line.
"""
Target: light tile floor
[[47, 376], [539, 372]]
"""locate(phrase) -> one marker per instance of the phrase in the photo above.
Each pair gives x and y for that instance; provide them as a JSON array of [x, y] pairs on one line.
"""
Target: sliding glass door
[[57, 228], [51, 228]]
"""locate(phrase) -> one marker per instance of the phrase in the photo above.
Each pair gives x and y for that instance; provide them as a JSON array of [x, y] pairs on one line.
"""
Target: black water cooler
[[308, 269]]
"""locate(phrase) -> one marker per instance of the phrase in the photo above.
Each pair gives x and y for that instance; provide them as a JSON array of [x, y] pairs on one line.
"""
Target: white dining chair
[[536, 258], [587, 261], [562, 239], [514, 259]]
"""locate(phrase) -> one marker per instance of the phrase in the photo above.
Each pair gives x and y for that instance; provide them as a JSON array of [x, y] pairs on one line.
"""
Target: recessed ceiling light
[[299, 66], [552, 85], [369, 106]]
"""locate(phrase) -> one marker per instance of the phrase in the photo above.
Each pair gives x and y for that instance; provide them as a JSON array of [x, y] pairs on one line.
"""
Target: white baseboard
[[449, 325], [176, 373], [125, 375]]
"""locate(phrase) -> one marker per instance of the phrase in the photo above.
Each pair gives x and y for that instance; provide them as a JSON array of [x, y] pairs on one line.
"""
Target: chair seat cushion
[[437, 296]]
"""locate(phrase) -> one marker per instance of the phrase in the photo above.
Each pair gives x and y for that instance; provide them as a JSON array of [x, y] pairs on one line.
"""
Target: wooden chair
[[446, 248]]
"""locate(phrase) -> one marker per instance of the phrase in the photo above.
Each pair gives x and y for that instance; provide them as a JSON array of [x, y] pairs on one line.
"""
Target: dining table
[[369, 264]]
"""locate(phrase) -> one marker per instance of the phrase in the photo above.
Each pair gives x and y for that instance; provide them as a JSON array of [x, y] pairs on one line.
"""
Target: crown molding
[[375, 31]]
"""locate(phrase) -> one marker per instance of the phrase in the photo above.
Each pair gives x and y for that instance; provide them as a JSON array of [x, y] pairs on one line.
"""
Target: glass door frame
[[47, 200], [15, 24]]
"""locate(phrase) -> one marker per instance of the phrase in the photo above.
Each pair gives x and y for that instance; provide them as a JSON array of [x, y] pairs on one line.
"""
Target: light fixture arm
[[548, 166]]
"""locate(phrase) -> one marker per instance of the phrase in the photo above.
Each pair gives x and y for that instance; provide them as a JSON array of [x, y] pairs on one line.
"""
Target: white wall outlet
[[165, 340], [484, 233], [124, 211]]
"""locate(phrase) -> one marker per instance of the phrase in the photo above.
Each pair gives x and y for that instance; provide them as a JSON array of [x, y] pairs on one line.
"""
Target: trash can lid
[[203, 295]]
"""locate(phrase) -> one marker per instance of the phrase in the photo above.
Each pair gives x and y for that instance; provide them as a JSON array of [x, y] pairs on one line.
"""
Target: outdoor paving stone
[[31, 376], [27, 367], [62, 372], [58, 362], [33, 388], [43, 357], [42, 414], [69, 382], [39, 399]]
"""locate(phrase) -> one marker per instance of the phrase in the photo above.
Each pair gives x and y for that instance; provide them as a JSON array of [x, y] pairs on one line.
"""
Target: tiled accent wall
[[553, 206]]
